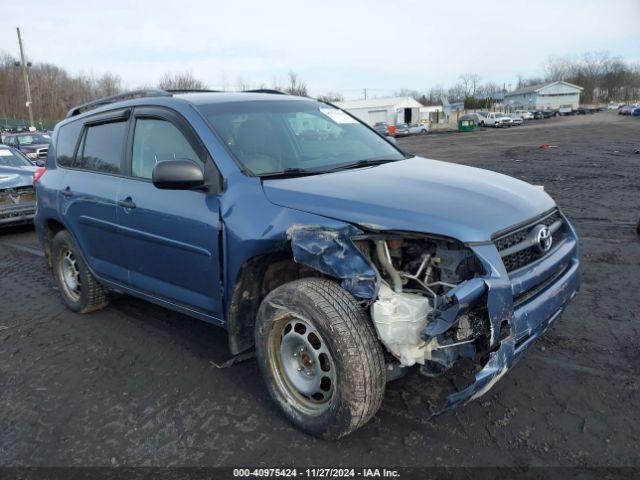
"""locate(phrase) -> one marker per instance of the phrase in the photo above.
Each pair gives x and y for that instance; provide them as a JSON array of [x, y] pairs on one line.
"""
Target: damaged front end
[[17, 205], [434, 300]]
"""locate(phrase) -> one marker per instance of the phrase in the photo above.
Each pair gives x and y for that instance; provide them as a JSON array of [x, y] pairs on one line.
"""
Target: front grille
[[516, 247]]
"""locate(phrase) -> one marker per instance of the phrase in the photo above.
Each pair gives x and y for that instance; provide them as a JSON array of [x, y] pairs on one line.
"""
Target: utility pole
[[365, 93], [25, 77]]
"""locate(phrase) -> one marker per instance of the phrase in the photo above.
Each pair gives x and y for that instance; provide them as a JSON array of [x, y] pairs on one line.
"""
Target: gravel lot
[[137, 385]]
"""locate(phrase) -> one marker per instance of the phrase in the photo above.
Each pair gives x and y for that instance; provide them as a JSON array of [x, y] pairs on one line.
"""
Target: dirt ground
[[137, 385]]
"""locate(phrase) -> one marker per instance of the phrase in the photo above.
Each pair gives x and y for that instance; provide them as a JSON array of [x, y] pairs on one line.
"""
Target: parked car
[[565, 110], [636, 112], [584, 111], [550, 112], [516, 119], [537, 114], [406, 129], [496, 119], [381, 127], [626, 109], [323, 258], [34, 145], [17, 197], [524, 114]]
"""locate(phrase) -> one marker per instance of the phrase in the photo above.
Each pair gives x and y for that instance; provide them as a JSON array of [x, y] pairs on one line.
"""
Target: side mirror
[[177, 175], [391, 139]]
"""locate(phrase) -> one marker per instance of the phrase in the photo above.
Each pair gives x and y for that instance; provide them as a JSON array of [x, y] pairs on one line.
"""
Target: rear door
[[170, 237], [89, 186]]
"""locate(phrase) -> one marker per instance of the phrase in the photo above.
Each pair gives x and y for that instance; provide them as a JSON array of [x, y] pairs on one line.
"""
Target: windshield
[[268, 137], [9, 158], [33, 139]]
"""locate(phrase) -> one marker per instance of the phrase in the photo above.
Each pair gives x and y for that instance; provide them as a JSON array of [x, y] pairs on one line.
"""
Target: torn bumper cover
[[528, 300], [332, 252], [527, 320]]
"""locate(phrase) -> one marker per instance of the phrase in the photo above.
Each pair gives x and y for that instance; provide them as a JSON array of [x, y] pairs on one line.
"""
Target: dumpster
[[466, 123]]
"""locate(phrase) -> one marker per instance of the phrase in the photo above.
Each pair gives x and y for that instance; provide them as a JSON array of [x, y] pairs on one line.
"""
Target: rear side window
[[102, 148], [66, 143]]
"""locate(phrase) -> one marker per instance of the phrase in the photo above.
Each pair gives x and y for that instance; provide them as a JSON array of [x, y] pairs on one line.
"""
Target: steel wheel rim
[[69, 274], [302, 363]]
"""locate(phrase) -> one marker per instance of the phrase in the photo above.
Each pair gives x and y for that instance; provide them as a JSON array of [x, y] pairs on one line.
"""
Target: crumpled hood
[[11, 177], [416, 195]]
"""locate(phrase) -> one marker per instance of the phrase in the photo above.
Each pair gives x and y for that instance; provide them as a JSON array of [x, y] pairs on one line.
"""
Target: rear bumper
[[17, 214], [530, 301]]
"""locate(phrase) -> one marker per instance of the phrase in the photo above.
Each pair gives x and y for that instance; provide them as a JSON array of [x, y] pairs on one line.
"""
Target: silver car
[[406, 129], [517, 119]]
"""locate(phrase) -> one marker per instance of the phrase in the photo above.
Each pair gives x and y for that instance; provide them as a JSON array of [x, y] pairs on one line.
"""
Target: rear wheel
[[319, 356], [80, 290]]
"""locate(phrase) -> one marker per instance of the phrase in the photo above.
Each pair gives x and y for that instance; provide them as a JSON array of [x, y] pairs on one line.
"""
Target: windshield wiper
[[361, 163], [297, 172], [290, 172]]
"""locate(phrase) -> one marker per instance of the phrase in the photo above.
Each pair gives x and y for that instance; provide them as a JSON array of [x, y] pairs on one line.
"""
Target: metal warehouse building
[[545, 95], [391, 110]]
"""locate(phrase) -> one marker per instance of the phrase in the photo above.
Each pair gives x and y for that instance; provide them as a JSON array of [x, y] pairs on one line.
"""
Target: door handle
[[127, 203], [66, 192]]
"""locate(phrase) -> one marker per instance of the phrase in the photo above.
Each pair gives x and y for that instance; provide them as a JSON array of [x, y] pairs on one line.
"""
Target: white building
[[433, 114], [391, 110], [545, 95]]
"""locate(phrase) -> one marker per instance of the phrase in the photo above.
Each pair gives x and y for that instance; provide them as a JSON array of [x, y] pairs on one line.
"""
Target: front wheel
[[320, 358]]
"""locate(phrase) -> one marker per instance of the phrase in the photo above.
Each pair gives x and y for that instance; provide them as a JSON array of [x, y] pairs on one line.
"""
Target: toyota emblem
[[544, 239]]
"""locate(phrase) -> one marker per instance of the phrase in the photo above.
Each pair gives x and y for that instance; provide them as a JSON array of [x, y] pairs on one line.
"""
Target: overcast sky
[[341, 46]]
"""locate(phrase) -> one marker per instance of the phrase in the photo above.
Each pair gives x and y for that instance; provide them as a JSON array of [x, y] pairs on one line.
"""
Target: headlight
[[32, 155]]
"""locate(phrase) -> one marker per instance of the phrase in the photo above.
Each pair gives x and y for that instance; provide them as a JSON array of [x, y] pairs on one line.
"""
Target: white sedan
[[525, 114]]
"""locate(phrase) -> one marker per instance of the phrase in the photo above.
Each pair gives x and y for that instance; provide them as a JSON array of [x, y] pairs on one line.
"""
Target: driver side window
[[156, 140]]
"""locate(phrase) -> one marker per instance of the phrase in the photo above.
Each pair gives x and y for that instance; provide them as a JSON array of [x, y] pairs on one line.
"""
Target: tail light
[[38, 174]]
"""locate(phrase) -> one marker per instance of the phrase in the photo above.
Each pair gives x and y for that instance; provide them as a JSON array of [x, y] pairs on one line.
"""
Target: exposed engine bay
[[415, 276]]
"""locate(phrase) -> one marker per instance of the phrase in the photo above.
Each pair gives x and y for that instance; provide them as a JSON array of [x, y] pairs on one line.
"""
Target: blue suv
[[307, 235]]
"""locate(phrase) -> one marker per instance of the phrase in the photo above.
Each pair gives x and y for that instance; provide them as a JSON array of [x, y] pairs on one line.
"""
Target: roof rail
[[116, 98], [265, 90], [191, 90]]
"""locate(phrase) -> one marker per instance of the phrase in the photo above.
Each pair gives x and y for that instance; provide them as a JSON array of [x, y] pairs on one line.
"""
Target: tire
[[69, 267], [318, 318]]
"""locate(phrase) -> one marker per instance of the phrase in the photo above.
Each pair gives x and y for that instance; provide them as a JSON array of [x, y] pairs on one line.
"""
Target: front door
[[170, 237]]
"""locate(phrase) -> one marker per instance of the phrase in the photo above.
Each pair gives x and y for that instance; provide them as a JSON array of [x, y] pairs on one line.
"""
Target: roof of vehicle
[[194, 97]]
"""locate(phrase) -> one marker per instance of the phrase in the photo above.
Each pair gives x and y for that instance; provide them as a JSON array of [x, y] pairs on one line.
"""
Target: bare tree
[[108, 84], [296, 86], [331, 97], [602, 77], [180, 81], [469, 83]]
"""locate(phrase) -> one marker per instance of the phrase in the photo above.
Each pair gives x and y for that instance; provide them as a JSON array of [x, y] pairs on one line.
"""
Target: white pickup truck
[[496, 119]]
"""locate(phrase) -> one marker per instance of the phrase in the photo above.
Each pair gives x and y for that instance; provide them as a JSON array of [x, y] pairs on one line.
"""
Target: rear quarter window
[[66, 143]]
